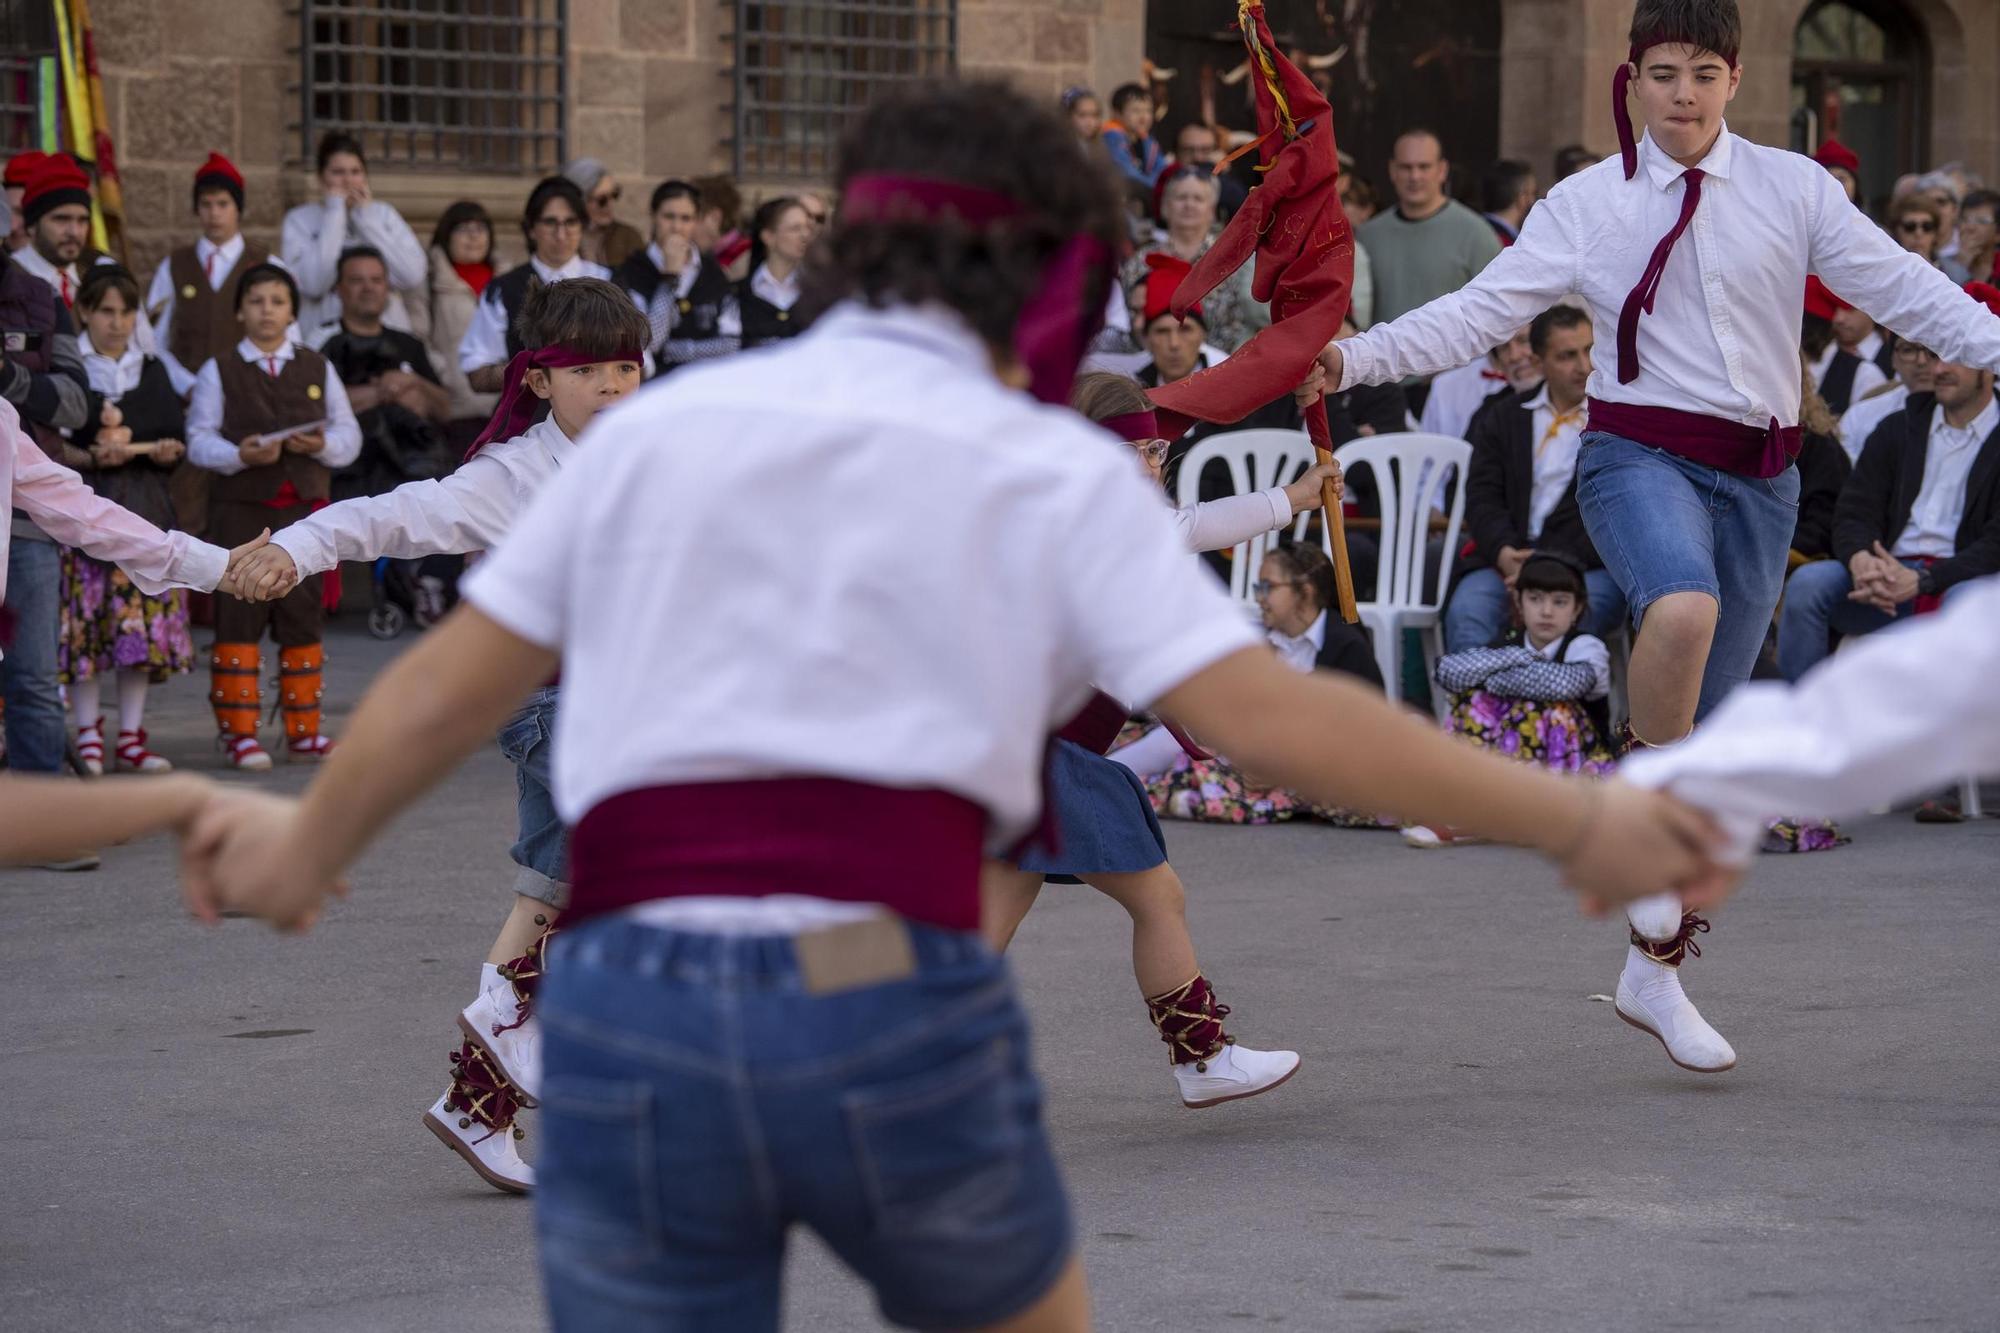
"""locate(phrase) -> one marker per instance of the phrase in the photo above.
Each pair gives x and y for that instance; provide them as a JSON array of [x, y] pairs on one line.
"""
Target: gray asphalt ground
[[219, 1129]]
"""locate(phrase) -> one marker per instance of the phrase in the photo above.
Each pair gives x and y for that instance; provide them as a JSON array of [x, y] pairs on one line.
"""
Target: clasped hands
[[240, 857], [1881, 580]]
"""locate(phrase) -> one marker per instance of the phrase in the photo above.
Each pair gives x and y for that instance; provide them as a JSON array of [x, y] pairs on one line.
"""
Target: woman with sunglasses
[[606, 240], [1918, 225], [1103, 828]]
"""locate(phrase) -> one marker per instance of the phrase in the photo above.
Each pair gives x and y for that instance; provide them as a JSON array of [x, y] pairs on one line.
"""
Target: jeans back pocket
[[598, 1177]]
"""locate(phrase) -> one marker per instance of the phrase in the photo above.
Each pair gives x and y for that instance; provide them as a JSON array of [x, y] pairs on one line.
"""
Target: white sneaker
[[1232, 1073], [487, 1022], [489, 1152], [1650, 999]]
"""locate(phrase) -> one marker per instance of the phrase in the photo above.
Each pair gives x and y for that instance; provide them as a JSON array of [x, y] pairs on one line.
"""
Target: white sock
[[83, 700], [132, 683], [1657, 918], [1645, 976]]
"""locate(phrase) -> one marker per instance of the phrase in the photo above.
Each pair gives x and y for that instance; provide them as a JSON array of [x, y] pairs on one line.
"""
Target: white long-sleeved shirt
[[74, 515], [315, 234], [206, 445], [1457, 394], [1557, 437], [1723, 337], [1217, 525], [1868, 376], [485, 340], [1905, 709], [160, 298], [1940, 503], [1858, 422], [470, 510]]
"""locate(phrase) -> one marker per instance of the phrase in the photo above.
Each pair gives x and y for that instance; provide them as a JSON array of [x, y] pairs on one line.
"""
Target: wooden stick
[[1336, 524]]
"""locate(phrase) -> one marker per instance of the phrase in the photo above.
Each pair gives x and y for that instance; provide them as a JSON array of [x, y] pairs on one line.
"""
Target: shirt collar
[[1540, 400], [1316, 633], [1664, 171], [256, 355], [1979, 427], [230, 250], [106, 375], [31, 259], [573, 269]]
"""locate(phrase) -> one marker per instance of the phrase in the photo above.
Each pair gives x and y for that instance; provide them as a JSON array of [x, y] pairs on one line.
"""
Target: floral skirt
[[1558, 736], [1213, 791], [108, 624]]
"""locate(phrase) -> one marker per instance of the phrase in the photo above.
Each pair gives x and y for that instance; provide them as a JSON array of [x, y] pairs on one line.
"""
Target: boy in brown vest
[[244, 425], [193, 297]]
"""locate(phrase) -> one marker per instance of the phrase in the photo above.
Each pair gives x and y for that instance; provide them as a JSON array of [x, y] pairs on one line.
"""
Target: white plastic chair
[[1408, 468], [1258, 460]]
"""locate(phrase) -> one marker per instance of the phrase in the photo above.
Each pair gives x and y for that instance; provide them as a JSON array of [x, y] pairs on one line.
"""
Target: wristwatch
[[1926, 583]]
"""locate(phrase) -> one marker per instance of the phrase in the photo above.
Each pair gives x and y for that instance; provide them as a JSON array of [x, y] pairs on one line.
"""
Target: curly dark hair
[[983, 134]]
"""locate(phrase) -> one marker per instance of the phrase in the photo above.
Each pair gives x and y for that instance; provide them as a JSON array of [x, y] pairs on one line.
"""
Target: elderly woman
[[606, 240], [1917, 222], [1188, 198]]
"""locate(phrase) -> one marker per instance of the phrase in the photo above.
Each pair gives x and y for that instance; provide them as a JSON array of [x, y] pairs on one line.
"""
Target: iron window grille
[[471, 85], [27, 50], [804, 69]]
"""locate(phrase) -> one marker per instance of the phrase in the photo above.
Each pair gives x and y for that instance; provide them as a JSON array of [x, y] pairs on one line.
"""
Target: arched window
[[1861, 69]]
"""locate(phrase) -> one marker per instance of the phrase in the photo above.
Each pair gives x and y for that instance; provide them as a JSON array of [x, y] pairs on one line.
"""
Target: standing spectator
[[349, 215], [1841, 377], [1913, 365], [1945, 187], [1457, 395], [391, 387], [461, 263], [684, 293], [56, 206], [1507, 191], [18, 169], [1429, 244], [133, 435], [781, 234], [1842, 164], [1198, 145], [1855, 331], [1357, 201], [1188, 200], [606, 240], [42, 376], [1572, 158], [1978, 237], [1086, 116], [193, 296], [1129, 138], [553, 223], [1520, 491], [1918, 222]]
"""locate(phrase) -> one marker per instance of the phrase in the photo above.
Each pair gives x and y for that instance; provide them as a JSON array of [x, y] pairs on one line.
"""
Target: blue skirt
[[1102, 817]]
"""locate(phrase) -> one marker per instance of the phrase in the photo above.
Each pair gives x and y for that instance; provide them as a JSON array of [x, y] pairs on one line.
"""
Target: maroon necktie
[[1648, 290]]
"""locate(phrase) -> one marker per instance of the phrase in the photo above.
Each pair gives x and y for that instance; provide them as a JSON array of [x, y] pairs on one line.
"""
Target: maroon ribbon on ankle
[[1648, 290], [515, 411]]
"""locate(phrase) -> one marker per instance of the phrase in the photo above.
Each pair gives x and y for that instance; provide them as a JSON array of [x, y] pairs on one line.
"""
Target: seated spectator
[[1842, 164], [1188, 198], [1919, 518], [1917, 222], [461, 258], [1357, 199], [1457, 395], [1841, 377], [606, 240], [1912, 365], [1855, 332], [348, 215], [1979, 236], [1572, 158], [553, 223], [764, 301], [1507, 190], [684, 293], [1086, 117], [1198, 145], [718, 226], [1823, 471], [1128, 136], [394, 393], [1520, 492]]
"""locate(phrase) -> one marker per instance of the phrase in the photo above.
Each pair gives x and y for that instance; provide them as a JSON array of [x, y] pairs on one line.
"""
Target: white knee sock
[[132, 682], [84, 700], [1657, 918]]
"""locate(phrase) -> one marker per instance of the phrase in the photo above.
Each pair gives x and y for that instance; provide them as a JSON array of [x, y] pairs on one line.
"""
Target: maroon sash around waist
[[1713, 442], [916, 853]]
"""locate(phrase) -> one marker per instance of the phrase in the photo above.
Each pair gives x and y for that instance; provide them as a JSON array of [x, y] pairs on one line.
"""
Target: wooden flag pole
[[1336, 523]]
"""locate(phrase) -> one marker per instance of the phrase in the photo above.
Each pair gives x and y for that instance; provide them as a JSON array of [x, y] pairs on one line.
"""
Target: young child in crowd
[[583, 340], [1129, 138], [132, 438], [272, 422]]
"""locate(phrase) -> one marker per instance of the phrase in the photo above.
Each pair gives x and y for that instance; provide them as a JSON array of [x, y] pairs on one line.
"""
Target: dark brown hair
[[547, 189], [460, 213], [719, 193], [1101, 395], [588, 315], [982, 134], [1553, 571], [1555, 317], [259, 274], [1310, 566], [1706, 25], [102, 279]]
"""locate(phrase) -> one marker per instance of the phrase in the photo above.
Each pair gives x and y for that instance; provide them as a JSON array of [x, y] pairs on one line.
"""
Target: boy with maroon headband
[[1694, 246]]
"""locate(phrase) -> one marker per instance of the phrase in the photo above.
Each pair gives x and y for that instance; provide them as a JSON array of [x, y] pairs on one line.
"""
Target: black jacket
[[1876, 502], [1500, 488], [1823, 472]]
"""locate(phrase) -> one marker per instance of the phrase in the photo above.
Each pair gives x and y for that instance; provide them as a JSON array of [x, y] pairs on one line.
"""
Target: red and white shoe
[[495, 1024], [490, 1152], [133, 754], [308, 749], [90, 748], [243, 752]]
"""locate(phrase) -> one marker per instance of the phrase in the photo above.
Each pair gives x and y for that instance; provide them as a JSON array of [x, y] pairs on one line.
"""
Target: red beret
[[1833, 153], [54, 181], [1163, 274], [22, 165], [220, 171], [1986, 294], [1820, 301]]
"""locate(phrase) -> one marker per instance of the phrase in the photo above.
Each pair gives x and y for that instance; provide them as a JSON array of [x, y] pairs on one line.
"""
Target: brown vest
[[205, 317], [253, 402]]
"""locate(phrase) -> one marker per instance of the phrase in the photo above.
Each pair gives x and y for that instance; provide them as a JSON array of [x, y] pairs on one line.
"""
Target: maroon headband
[[1628, 147], [516, 410], [1066, 310], [1133, 426]]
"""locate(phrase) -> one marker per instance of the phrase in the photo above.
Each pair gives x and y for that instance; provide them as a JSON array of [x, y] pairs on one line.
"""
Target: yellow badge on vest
[[313, 392], [187, 292]]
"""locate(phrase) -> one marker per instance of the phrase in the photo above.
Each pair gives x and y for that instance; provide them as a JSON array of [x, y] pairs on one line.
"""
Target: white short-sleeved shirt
[[898, 571]]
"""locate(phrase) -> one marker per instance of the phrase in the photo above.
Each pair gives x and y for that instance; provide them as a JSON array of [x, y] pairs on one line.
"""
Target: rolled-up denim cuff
[[532, 883]]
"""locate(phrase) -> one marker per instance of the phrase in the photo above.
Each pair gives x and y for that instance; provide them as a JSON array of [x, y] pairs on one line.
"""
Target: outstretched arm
[[44, 817]]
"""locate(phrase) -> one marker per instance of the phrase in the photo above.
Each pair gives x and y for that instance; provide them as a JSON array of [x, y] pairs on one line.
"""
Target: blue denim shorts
[[541, 842], [698, 1101]]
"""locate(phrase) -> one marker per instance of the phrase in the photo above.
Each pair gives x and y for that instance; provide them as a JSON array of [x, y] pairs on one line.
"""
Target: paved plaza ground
[[219, 1129]]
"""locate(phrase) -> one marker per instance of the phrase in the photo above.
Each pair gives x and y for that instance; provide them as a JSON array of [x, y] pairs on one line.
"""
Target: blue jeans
[[1816, 608], [1663, 525], [541, 842], [37, 731], [698, 1101], [1479, 609]]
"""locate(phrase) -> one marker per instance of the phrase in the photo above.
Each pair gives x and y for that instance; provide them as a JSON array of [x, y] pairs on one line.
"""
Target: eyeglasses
[[1153, 451], [1912, 226], [616, 193], [559, 224], [1262, 587], [1915, 353]]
